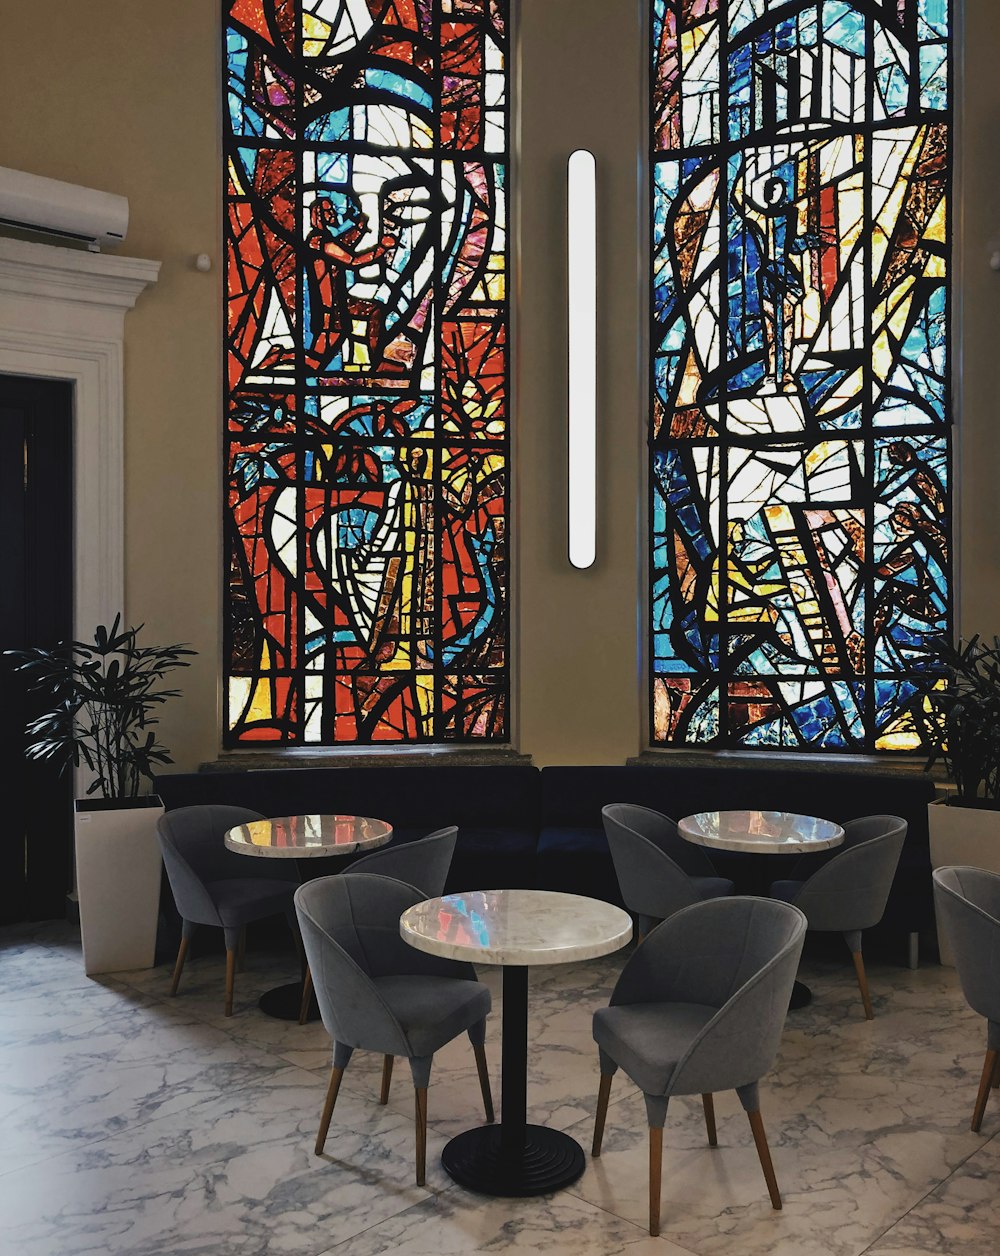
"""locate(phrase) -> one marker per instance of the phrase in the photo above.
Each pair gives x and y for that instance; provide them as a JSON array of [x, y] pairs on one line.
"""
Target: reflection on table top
[[308, 836], [516, 927], [766, 832]]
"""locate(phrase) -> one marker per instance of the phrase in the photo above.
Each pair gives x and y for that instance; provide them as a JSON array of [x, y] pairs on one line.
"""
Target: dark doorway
[[36, 609]]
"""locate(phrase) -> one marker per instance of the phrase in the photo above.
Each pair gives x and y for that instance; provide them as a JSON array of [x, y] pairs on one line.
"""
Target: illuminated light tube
[[581, 268]]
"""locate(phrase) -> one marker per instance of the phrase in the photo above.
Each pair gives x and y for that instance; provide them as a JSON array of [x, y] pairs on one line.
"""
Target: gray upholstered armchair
[[848, 893], [379, 994], [424, 863], [967, 901], [658, 872], [215, 886], [700, 1007]]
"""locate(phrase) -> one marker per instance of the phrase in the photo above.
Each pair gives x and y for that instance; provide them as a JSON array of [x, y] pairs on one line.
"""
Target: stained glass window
[[366, 441], [799, 479]]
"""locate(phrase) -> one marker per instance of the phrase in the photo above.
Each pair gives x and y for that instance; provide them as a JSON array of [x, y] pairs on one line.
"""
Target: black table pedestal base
[[285, 1002], [550, 1160], [802, 996]]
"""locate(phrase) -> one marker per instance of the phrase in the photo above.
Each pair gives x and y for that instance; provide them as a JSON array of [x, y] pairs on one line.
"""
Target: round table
[[764, 833], [515, 928], [303, 837]]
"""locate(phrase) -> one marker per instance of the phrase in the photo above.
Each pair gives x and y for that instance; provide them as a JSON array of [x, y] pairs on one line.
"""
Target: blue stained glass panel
[[800, 490]]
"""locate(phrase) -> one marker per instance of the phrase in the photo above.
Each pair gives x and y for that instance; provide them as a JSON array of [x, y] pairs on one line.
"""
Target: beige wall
[[125, 96]]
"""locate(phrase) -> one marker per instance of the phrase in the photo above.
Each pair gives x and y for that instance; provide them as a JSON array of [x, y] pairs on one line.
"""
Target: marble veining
[[139, 1125], [308, 836], [761, 832], [516, 927]]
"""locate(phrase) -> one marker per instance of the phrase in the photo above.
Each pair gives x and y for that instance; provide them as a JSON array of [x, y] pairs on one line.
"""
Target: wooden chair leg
[[764, 1154], [484, 1081], [603, 1095], [866, 998], [383, 1097], [241, 951], [336, 1076], [708, 1103], [655, 1175], [307, 990], [989, 1068], [230, 980], [182, 951], [420, 1093]]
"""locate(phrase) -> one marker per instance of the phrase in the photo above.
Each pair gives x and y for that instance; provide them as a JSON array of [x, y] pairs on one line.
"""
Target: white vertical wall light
[[581, 234]]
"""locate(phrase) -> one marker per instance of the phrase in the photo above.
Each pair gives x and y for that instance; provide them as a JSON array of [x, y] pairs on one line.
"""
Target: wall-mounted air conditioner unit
[[63, 209]]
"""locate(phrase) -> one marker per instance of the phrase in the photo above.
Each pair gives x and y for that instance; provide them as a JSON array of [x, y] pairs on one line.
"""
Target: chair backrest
[[662, 832], [739, 955], [191, 842], [967, 901], [651, 881], [849, 892], [350, 931], [424, 863]]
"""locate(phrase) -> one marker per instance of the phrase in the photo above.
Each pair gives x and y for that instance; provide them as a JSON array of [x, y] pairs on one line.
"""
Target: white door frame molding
[[62, 316]]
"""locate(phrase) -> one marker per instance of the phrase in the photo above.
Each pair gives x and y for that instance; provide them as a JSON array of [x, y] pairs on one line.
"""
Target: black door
[[36, 609]]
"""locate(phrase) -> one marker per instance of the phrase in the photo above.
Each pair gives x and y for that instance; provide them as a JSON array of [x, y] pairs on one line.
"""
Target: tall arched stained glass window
[[366, 371], [799, 487]]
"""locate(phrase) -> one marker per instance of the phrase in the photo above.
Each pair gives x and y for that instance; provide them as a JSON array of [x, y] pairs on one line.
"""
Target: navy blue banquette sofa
[[521, 827]]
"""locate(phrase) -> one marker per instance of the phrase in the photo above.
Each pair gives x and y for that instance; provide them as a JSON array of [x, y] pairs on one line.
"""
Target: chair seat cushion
[[713, 887], [647, 1039], [433, 1010], [243, 899], [786, 891]]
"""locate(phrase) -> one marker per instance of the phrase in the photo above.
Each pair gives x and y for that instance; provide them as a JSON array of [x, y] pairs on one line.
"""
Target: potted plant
[[960, 723], [103, 696]]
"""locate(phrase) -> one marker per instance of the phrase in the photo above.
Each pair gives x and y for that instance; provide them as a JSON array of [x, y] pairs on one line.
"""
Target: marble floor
[[137, 1124]]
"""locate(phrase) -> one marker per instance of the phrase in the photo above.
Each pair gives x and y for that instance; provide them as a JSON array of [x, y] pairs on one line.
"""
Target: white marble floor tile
[[233, 1174], [961, 1216], [456, 1222], [848, 1163], [108, 1066]]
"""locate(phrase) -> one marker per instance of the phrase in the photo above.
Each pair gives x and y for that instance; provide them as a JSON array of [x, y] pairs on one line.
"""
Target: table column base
[[802, 996], [549, 1161], [285, 1003]]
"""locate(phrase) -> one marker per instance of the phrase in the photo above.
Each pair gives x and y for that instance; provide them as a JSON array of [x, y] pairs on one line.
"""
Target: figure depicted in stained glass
[[801, 502], [366, 154]]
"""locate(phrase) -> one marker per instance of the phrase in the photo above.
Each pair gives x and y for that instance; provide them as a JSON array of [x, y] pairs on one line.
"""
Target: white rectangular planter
[[963, 837], [118, 868]]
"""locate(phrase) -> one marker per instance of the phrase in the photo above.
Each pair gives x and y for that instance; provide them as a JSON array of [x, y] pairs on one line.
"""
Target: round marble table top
[[763, 832], [515, 927], [308, 837]]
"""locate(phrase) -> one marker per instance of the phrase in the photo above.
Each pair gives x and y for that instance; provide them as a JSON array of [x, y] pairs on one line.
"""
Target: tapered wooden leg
[[484, 1081], [866, 998], [421, 1111], [336, 1076], [307, 990], [655, 1174], [989, 1068], [708, 1103], [182, 951], [230, 980], [760, 1142], [241, 951], [603, 1095], [386, 1079]]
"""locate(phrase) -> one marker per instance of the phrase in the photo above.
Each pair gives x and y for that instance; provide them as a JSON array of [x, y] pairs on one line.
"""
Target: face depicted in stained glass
[[366, 371], [800, 494]]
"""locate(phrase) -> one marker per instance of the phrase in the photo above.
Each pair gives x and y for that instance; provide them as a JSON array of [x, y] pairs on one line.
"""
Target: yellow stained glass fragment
[[261, 706], [234, 176], [936, 228], [315, 35]]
